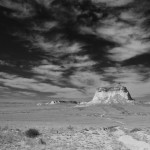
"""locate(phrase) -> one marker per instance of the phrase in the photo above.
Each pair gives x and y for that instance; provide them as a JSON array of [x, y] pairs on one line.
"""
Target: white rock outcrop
[[108, 95]]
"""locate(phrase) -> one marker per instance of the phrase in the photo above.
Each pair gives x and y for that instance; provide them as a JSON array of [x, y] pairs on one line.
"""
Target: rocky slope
[[108, 95]]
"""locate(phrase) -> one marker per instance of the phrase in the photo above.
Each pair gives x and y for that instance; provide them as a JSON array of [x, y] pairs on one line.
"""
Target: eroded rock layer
[[106, 95]]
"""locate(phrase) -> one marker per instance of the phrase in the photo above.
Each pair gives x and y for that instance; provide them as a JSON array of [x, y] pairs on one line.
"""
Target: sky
[[69, 48]]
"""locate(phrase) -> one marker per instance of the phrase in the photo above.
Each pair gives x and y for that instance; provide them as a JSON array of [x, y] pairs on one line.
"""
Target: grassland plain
[[66, 127]]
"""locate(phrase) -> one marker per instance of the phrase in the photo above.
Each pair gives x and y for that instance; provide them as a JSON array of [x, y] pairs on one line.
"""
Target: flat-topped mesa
[[108, 95]]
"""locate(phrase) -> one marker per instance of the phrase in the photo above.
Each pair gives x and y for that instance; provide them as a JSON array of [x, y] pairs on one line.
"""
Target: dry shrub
[[32, 133]]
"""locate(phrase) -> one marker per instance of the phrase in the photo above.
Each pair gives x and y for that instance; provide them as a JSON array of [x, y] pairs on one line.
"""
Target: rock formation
[[108, 95], [104, 95]]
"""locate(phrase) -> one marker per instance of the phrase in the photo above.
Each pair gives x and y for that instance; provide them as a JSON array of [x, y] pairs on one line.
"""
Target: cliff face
[[107, 95]]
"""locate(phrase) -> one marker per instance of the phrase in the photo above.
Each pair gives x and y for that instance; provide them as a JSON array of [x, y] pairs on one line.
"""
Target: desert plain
[[71, 127]]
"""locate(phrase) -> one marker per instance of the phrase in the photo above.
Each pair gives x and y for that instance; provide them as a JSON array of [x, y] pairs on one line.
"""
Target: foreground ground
[[72, 138], [62, 127]]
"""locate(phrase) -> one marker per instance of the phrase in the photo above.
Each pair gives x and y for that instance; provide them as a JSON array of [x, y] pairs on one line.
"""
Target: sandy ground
[[99, 127]]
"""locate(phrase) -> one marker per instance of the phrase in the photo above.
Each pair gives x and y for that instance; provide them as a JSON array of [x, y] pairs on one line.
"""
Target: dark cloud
[[69, 15], [16, 52], [141, 64], [143, 59]]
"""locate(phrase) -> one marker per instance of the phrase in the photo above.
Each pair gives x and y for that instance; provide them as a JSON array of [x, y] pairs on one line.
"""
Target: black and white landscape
[[77, 71]]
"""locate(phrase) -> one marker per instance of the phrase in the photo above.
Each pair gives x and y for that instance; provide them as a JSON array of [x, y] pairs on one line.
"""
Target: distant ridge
[[103, 95], [62, 100]]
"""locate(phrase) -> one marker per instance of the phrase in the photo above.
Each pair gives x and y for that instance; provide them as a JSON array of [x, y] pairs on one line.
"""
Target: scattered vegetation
[[32, 133], [85, 129], [9, 136], [5, 128], [41, 141], [110, 129], [135, 130], [70, 128], [92, 128], [70, 138], [81, 108]]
